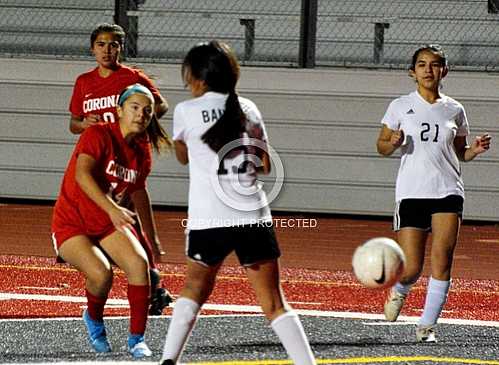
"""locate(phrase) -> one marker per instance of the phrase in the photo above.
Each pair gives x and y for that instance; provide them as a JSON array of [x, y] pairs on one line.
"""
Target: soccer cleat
[[393, 305], [425, 334], [167, 362], [96, 334], [160, 300], [160, 297], [137, 347]]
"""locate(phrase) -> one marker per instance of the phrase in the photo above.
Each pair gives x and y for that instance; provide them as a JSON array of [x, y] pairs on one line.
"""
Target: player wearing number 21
[[216, 117], [431, 131]]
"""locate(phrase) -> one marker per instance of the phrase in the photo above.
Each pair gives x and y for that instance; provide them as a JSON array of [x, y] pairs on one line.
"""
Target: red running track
[[37, 287], [316, 268]]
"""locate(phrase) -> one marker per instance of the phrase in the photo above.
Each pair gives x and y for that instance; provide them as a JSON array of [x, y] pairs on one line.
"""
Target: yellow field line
[[360, 360]]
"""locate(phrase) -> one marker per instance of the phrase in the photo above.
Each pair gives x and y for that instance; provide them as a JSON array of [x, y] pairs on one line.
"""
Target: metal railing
[[296, 33]]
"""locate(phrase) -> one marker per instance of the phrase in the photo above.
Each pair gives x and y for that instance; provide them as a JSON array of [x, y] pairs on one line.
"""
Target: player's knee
[[198, 290], [137, 267], [100, 276]]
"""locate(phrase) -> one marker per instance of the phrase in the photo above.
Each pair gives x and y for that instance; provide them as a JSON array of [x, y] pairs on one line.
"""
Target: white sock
[[183, 319], [436, 296], [403, 288], [290, 331]]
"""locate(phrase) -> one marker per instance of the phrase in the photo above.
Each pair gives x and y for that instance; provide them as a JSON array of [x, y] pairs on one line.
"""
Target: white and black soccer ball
[[378, 263]]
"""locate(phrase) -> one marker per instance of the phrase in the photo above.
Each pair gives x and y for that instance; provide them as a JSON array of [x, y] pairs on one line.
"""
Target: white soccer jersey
[[215, 198], [429, 167]]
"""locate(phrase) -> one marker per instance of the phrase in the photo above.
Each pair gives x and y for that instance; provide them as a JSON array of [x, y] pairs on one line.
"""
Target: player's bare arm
[[120, 217], [78, 124], [181, 152], [142, 203], [161, 107], [389, 140], [264, 168], [467, 152]]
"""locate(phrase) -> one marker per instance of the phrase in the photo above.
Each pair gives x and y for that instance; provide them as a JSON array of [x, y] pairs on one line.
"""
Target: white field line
[[94, 362], [245, 309]]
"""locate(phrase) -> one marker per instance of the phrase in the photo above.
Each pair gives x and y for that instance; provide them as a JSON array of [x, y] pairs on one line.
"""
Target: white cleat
[[393, 305], [425, 334]]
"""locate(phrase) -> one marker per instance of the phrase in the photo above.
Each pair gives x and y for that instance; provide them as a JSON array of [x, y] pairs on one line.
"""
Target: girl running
[[431, 130]]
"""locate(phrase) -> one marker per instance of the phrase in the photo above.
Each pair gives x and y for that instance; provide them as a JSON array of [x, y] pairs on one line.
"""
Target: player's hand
[[121, 218], [481, 143], [397, 138], [90, 120]]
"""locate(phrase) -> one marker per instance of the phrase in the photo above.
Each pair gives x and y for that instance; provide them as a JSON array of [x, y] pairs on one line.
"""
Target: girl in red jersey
[[110, 163], [94, 99], [95, 92]]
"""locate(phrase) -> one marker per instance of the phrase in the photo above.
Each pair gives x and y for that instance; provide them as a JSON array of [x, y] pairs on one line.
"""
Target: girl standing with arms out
[[202, 126], [110, 163], [94, 99], [430, 129]]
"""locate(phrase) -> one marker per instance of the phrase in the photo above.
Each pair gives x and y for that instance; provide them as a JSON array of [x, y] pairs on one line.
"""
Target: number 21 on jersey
[[429, 131]]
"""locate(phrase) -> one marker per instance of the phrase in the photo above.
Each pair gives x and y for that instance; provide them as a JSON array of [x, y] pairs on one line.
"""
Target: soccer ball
[[378, 263]]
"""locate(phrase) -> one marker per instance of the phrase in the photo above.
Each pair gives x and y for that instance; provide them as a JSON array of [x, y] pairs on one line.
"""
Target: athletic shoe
[[160, 297], [167, 362], [96, 334], [393, 305], [425, 334], [137, 347], [160, 300]]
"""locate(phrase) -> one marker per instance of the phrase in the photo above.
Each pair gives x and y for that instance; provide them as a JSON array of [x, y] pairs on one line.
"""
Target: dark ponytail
[[159, 138], [229, 127], [216, 64]]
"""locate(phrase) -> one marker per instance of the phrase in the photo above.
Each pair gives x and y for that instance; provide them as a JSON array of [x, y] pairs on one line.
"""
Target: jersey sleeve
[[76, 104], [93, 142], [463, 128], [178, 124], [391, 118], [143, 79], [255, 126]]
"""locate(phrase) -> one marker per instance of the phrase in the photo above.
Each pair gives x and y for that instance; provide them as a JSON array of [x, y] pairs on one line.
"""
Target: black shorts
[[252, 244], [416, 213]]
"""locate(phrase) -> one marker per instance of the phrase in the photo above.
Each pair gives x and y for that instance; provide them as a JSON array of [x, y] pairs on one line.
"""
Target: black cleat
[[167, 362], [161, 299]]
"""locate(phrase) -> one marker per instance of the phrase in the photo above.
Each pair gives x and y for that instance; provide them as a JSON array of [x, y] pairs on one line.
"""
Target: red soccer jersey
[[121, 169], [93, 94]]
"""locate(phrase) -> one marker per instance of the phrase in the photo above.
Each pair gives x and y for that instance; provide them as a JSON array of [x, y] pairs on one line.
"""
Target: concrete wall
[[322, 123]]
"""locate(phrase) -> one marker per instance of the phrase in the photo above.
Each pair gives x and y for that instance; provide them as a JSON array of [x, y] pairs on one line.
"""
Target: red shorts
[[61, 235], [67, 223]]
